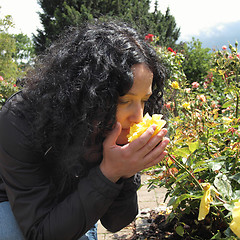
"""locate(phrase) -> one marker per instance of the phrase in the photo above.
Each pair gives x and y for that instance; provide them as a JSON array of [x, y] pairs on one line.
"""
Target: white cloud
[[194, 17], [24, 13]]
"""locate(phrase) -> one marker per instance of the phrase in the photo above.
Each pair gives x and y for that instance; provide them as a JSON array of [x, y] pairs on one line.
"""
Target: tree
[[16, 50], [59, 14], [24, 53], [196, 62], [165, 26], [8, 67]]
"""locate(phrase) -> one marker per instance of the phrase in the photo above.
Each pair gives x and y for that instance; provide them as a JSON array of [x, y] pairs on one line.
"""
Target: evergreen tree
[[59, 14]]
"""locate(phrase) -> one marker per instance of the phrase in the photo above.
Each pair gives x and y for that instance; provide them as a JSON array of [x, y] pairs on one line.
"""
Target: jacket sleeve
[[31, 193], [125, 207]]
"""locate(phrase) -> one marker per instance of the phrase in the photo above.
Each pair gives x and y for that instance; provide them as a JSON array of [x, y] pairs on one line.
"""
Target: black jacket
[[26, 184]]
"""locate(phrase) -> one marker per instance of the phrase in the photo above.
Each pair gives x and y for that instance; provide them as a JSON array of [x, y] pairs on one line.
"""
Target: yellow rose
[[186, 105], [137, 129], [236, 219], [205, 202], [227, 120], [175, 85]]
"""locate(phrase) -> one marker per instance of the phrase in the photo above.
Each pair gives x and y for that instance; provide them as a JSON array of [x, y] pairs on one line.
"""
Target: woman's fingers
[[157, 154], [150, 145], [156, 161], [143, 139]]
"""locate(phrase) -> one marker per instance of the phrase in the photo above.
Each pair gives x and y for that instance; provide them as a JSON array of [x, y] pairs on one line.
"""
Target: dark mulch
[[161, 229]]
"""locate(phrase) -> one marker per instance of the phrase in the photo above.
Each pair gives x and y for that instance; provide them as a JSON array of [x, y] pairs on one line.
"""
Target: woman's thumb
[[113, 135]]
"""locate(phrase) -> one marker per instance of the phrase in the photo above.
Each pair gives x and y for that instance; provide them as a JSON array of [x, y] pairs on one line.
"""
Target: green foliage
[[164, 26], [227, 65], [24, 53], [196, 64], [60, 14], [8, 67], [16, 55], [7, 88], [204, 131]]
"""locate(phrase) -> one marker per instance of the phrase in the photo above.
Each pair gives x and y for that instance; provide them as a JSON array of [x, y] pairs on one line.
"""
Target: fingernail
[[165, 142], [162, 132]]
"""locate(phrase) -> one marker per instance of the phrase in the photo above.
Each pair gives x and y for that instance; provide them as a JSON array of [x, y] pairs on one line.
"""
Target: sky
[[213, 22]]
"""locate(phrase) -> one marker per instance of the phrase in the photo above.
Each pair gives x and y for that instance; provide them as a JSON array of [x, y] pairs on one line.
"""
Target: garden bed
[[159, 228]]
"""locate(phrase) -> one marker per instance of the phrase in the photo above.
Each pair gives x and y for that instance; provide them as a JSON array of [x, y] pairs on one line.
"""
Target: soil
[[160, 228]]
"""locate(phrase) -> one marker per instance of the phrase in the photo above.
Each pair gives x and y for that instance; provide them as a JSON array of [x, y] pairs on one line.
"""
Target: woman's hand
[[125, 161]]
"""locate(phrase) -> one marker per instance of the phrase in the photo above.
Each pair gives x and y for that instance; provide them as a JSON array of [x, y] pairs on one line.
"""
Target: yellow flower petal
[[227, 120], [137, 129], [186, 105], [205, 202], [236, 219], [175, 85]]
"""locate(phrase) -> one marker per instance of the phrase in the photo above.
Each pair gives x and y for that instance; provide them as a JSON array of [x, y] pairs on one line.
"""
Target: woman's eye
[[123, 101]]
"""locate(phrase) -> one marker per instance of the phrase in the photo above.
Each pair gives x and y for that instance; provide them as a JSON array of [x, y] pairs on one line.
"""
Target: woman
[[65, 161]]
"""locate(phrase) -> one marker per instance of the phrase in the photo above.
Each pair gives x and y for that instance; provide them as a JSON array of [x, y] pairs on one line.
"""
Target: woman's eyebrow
[[133, 94]]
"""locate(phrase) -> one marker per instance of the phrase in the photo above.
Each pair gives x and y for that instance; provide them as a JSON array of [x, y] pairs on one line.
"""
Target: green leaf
[[223, 185], [229, 207], [228, 103], [204, 139], [172, 201], [217, 236], [182, 152], [236, 177], [180, 230], [236, 194], [216, 165], [181, 177], [193, 146], [175, 201], [200, 170]]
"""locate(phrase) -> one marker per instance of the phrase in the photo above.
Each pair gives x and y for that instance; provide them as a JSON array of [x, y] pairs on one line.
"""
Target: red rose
[[149, 37], [171, 50]]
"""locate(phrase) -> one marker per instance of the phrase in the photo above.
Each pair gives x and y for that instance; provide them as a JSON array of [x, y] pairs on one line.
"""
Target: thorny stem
[[206, 143], [235, 162], [221, 214], [221, 200], [184, 168], [237, 105], [175, 107], [182, 187]]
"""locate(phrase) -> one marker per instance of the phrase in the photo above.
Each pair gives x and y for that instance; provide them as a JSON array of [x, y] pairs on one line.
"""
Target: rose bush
[[204, 150], [7, 88]]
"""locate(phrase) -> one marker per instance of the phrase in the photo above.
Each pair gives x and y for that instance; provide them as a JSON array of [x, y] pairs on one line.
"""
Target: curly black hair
[[74, 89]]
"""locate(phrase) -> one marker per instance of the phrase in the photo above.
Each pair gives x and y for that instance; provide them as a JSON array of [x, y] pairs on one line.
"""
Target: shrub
[[204, 149], [7, 88]]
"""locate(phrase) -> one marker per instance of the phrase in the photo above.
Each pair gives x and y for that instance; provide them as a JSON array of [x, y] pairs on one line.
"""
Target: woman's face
[[131, 106]]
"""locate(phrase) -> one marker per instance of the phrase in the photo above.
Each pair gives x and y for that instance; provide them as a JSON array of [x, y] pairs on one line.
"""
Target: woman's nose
[[137, 114]]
